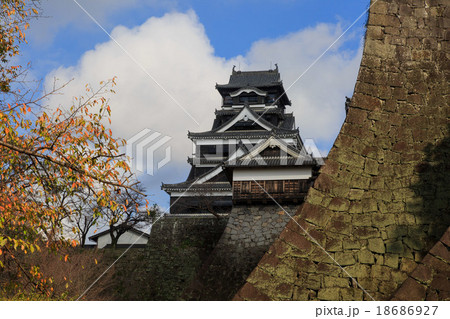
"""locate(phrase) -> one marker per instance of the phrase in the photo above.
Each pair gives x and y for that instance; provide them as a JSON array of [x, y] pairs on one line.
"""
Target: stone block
[[395, 247], [387, 287], [361, 220], [383, 220], [252, 293], [355, 208], [381, 272], [301, 294], [313, 282], [435, 264], [369, 205], [407, 265], [371, 166], [351, 244], [367, 102], [344, 258], [360, 182], [363, 232], [283, 291], [380, 7], [349, 294], [298, 241], [333, 245], [376, 245], [440, 251], [328, 294], [315, 214], [355, 194], [422, 273], [410, 290], [366, 257], [440, 282], [391, 260], [395, 231], [336, 282], [398, 276], [356, 116], [416, 243], [339, 204], [358, 271]]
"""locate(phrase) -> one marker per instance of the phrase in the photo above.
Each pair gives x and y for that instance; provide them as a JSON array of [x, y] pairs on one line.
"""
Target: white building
[[133, 237]]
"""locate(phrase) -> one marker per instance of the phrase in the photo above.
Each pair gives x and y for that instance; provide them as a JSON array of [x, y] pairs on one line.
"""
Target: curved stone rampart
[[248, 235], [381, 202]]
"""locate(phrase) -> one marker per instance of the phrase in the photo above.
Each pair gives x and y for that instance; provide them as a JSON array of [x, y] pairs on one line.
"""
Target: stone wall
[[381, 201], [177, 247], [249, 233], [430, 280]]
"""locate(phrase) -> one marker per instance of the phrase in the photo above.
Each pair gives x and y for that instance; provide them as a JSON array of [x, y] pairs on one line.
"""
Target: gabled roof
[[256, 79], [134, 230], [290, 156], [247, 114], [203, 182], [248, 89], [240, 79]]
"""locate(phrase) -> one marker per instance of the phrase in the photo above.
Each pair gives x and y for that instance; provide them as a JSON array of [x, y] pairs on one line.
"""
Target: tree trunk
[[114, 239], [83, 240]]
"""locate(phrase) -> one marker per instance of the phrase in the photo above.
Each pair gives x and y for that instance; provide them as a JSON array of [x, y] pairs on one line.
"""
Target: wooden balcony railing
[[279, 190]]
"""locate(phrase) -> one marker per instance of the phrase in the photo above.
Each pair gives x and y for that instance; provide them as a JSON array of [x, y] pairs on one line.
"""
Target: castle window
[[248, 98], [245, 187], [274, 187], [271, 98]]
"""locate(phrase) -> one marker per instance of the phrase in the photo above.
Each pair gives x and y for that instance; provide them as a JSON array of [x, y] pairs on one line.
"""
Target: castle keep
[[252, 154]]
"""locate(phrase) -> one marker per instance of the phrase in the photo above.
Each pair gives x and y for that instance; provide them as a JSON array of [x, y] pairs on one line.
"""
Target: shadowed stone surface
[[176, 249], [430, 279], [381, 202], [248, 235]]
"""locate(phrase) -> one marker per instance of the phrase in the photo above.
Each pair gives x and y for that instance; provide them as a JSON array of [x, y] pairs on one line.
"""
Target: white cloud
[[59, 13], [318, 96], [175, 50]]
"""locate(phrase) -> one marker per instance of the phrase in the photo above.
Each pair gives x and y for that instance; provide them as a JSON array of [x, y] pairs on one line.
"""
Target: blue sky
[[190, 45]]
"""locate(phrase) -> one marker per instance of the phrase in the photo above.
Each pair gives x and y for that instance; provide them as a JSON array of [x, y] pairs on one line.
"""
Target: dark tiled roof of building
[[286, 120], [205, 187], [274, 110], [271, 161], [216, 183], [200, 161], [240, 79], [285, 126], [243, 134]]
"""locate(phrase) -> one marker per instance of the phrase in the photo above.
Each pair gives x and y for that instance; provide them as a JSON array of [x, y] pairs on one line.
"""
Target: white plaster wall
[[127, 238]]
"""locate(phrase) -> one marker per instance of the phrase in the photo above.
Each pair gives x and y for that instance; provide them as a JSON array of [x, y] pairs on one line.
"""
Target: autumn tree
[[44, 154], [83, 214], [131, 212]]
